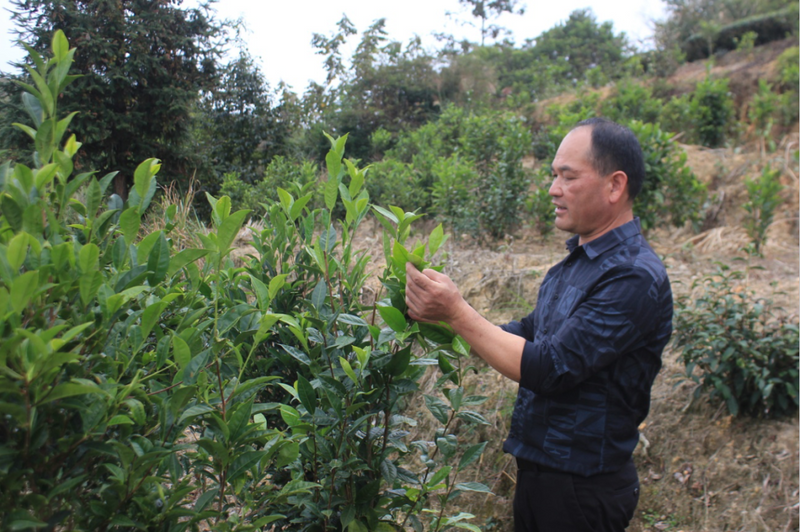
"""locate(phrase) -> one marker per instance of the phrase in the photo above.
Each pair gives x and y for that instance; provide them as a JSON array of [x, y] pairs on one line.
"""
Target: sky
[[279, 33]]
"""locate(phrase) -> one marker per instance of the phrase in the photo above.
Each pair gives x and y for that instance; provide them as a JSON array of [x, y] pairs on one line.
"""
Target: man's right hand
[[432, 296]]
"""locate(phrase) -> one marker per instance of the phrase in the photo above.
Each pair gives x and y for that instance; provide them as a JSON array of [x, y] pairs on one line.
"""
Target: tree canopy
[[142, 65]]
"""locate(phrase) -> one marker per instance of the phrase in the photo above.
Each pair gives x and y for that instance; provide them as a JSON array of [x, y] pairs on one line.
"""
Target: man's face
[[579, 193]]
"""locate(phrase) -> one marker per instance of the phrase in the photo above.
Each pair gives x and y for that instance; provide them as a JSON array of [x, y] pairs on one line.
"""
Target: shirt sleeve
[[615, 317], [525, 328]]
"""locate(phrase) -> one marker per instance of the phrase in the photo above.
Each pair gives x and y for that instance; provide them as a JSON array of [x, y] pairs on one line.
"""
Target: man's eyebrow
[[563, 168]]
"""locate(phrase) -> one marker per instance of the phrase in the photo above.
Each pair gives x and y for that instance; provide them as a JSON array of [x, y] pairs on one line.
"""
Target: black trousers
[[547, 500]]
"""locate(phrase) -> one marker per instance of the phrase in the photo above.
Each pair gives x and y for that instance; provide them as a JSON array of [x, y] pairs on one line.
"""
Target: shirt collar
[[607, 241]]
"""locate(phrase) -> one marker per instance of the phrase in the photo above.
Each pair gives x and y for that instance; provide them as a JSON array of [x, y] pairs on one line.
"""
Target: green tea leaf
[[45, 175], [331, 191], [297, 354], [230, 228], [436, 240], [319, 294], [436, 407], [276, 283], [306, 394], [393, 318], [439, 476], [93, 197], [12, 212], [143, 176], [243, 463], [180, 351], [183, 258], [262, 293], [298, 206], [158, 260], [470, 455], [348, 369], [120, 419], [461, 346], [69, 390], [89, 285], [472, 417], [289, 452], [473, 486], [88, 258], [22, 290], [129, 222], [17, 251]]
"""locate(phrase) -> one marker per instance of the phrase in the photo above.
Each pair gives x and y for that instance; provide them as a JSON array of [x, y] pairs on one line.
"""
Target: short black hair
[[615, 148]]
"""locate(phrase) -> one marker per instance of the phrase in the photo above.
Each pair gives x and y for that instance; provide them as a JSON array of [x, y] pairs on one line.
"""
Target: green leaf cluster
[[738, 347], [149, 387]]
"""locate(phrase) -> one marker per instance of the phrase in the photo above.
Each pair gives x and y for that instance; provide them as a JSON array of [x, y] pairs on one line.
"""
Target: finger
[[436, 277]]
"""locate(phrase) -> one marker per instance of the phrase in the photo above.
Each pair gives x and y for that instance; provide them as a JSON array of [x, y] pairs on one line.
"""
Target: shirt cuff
[[536, 368]]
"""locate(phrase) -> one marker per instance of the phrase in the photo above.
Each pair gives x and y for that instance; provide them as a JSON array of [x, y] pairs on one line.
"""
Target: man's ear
[[618, 183]]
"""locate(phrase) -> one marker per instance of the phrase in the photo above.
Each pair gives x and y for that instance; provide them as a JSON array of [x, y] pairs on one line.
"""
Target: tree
[[142, 66], [239, 128], [580, 44], [489, 9], [383, 85]]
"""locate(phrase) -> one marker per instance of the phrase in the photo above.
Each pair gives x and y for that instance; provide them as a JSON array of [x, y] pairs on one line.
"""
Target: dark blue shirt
[[594, 343]]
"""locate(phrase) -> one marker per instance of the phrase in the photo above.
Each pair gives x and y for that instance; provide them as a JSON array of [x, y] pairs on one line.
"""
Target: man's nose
[[555, 188]]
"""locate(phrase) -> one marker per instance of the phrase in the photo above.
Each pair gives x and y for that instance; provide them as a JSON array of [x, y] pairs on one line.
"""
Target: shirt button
[[544, 331], [555, 297]]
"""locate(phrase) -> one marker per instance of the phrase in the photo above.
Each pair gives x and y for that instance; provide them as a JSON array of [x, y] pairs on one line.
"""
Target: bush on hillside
[[739, 348], [712, 113]]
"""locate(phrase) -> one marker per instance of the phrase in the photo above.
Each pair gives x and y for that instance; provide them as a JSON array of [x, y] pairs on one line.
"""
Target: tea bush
[[739, 348], [671, 192], [492, 144], [632, 101], [711, 108], [764, 196], [145, 386], [299, 177]]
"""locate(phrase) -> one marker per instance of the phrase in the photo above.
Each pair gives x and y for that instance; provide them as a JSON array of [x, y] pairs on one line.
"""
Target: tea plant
[[739, 348], [761, 112], [764, 196], [712, 111], [671, 192], [145, 386]]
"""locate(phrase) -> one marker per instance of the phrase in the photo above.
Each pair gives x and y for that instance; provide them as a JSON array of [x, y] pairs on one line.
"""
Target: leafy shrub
[[676, 115], [711, 108], [133, 375], [393, 182], [493, 144], [563, 117], [764, 196], [790, 84], [739, 348], [632, 101], [540, 203], [746, 42], [789, 68], [761, 112], [671, 192], [299, 177], [454, 193]]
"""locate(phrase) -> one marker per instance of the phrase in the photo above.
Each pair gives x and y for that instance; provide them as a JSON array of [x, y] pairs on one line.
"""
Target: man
[[586, 357]]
